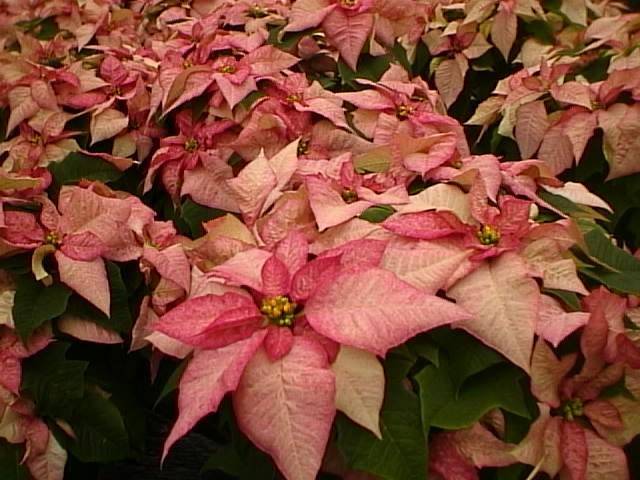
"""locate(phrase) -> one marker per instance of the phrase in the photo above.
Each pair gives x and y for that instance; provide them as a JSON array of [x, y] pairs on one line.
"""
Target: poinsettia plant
[[369, 239]]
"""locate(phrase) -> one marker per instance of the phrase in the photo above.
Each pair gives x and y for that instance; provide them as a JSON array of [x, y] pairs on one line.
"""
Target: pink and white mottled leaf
[[107, 124], [341, 309], [207, 186], [556, 150], [621, 141], [605, 461], [83, 246], [48, 464], [573, 93], [348, 33], [425, 225], [354, 229], [504, 301], [253, 186], [307, 14], [447, 462], [327, 108], [193, 83], [503, 30], [439, 197], [428, 265], [171, 263], [87, 330], [44, 95], [481, 447], [580, 128], [233, 93], [87, 278], [449, 79], [359, 387], [210, 375], [629, 411], [359, 253], [268, 60], [542, 445], [604, 413], [574, 449], [293, 251], [554, 324], [309, 276], [328, 206], [211, 321], [23, 106], [286, 407], [547, 373], [531, 125], [368, 99], [243, 268], [575, 10], [276, 279], [278, 342]]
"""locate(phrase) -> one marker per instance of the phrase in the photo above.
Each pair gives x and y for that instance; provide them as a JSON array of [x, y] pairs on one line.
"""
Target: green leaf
[[250, 99], [172, 382], [239, 457], [246, 463], [614, 267], [541, 30], [571, 208], [78, 166], [195, 215], [422, 58], [120, 319], [34, 304], [465, 355], [436, 389], [54, 383], [17, 264], [376, 160], [100, 431], [517, 427], [377, 213], [400, 54], [497, 387], [626, 283], [617, 389], [11, 467], [512, 472], [401, 454], [287, 41], [41, 28], [570, 299], [421, 346], [601, 249], [369, 67]]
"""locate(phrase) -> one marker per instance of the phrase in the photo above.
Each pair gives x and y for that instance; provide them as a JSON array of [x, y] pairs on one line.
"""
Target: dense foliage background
[[440, 200]]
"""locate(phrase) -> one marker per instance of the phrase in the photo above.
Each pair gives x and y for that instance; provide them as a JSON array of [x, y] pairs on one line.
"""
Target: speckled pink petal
[[343, 311], [425, 225], [206, 380], [87, 279], [171, 263], [328, 206], [83, 246], [276, 279], [211, 321], [286, 407], [278, 342]]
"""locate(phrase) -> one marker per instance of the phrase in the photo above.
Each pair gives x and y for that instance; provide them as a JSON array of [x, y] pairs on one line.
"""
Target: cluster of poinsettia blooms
[[355, 219]]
